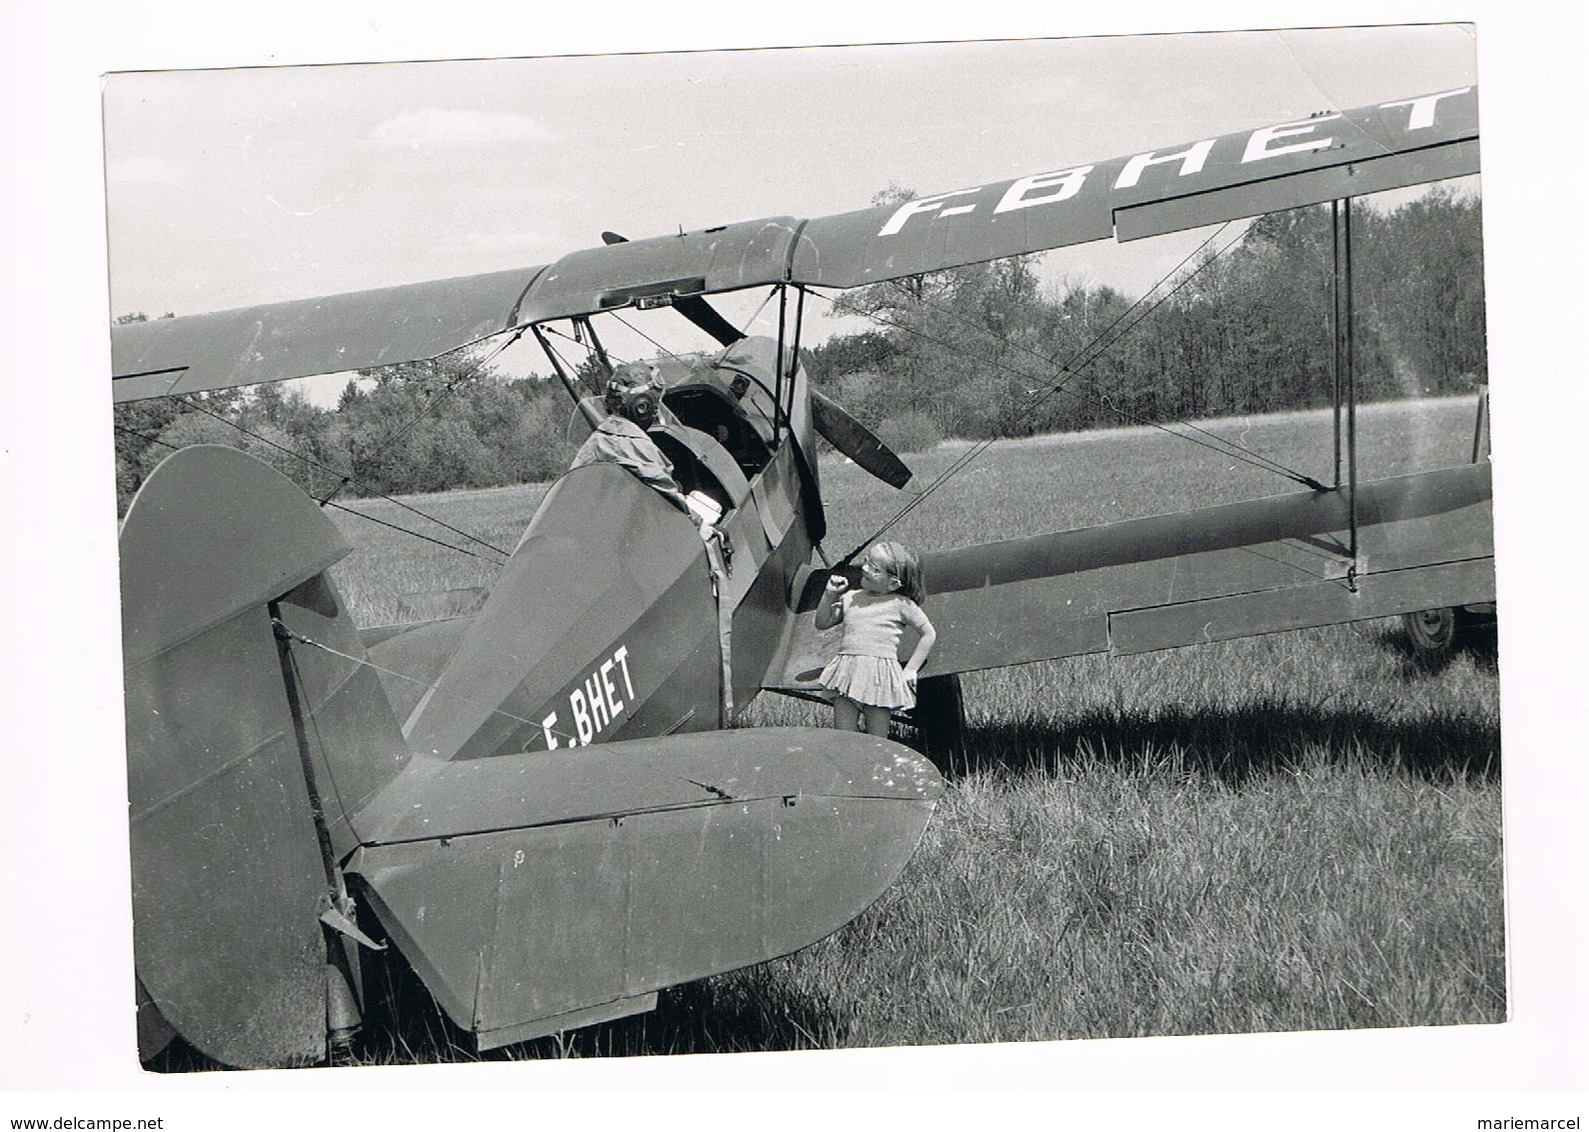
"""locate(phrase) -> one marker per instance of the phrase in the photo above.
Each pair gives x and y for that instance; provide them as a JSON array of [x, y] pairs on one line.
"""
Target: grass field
[[1297, 831]]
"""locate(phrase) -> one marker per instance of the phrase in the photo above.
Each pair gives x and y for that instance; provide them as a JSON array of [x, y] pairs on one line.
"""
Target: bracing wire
[[312, 462], [755, 314], [348, 510], [345, 479], [1083, 357], [426, 409], [633, 329], [1103, 342], [366, 662], [1099, 345]]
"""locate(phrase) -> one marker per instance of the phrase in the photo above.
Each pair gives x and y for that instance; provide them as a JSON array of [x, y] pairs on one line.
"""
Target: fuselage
[[614, 619]]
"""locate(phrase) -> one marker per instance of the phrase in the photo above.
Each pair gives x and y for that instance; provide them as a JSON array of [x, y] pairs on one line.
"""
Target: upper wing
[[1284, 165], [310, 336], [1324, 157]]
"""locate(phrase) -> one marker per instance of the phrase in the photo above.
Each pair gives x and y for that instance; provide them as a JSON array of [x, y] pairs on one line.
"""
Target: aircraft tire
[[1433, 634], [939, 718]]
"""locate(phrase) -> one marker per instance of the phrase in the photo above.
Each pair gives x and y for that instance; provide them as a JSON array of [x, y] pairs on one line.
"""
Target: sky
[[233, 187], [216, 189]]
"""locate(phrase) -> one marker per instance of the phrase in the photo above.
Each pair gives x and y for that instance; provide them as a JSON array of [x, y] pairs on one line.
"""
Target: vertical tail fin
[[240, 752]]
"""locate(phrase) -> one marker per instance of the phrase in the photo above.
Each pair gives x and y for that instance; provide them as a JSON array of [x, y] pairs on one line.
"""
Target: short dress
[[867, 668]]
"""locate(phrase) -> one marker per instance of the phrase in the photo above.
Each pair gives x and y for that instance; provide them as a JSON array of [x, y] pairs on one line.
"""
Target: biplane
[[540, 800]]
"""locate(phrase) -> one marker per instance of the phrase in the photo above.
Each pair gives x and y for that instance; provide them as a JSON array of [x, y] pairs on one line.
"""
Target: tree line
[[989, 351], [408, 429], [982, 351]]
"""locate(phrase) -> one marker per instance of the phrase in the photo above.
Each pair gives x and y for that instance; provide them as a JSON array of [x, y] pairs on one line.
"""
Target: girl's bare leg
[[877, 721], [846, 713]]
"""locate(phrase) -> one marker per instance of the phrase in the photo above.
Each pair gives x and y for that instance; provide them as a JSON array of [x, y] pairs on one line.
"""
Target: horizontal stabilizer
[[527, 889]]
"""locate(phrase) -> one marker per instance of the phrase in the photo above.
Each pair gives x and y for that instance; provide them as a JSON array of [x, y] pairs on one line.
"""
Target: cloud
[[435, 126]]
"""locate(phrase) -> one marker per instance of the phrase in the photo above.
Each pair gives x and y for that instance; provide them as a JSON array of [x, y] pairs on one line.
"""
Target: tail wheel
[[939, 717], [1433, 633]]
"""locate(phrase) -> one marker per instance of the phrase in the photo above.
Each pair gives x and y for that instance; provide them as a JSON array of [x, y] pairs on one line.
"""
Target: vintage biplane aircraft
[[540, 803]]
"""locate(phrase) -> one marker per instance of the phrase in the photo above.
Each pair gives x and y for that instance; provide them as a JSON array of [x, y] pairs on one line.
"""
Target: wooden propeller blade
[[857, 441]]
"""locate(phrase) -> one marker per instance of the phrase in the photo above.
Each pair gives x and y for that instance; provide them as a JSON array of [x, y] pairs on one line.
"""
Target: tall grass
[[1136, 894], [1296, 831]]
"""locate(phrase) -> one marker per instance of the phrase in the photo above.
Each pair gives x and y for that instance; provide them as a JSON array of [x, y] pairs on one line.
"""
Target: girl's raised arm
[[831, 611]]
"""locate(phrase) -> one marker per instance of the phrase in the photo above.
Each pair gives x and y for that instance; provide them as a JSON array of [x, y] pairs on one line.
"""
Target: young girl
[[866, 674]]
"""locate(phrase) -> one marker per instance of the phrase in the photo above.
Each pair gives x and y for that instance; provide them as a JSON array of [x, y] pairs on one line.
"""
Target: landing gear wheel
[[939, 717], [1433, 634]]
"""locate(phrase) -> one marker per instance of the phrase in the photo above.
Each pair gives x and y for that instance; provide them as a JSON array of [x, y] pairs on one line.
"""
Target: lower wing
[[1216, 573]]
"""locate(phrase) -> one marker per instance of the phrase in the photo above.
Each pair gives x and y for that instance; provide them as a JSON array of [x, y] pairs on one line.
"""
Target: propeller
[[833, 422], [835, 425]]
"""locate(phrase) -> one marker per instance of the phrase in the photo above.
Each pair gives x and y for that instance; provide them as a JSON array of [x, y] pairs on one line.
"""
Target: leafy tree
[[980, 348], [1423, 287], [139, 425], [849, 353], [265, 441]]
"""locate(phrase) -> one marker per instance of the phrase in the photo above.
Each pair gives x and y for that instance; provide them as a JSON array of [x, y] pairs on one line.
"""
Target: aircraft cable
[[327, 502], [633, 329], [552, 331], [660, 348], [1083, 357], [425, 410], [549, 331], [1096, 348], [1313, 551], [366, 662], [292, 635], [382, 522], [121, 428], [754, 315], [407, 531]]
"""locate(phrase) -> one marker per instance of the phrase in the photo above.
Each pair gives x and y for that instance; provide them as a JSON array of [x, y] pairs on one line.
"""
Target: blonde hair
[[905, 567]]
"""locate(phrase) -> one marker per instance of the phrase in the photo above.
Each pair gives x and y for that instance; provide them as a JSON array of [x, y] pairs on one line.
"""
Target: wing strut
[[1345, 371], [585, 404]]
